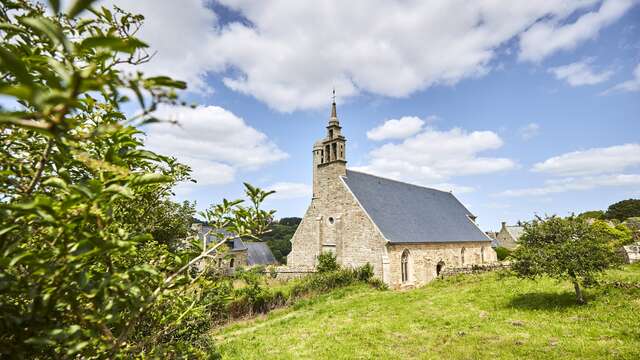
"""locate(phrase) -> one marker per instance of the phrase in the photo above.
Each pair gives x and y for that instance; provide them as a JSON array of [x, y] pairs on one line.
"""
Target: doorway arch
[[439, 268]]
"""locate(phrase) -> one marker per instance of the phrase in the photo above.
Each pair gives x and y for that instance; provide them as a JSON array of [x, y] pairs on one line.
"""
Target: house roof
[[235, 244], [407, 213], [515, 231], [258, 253]]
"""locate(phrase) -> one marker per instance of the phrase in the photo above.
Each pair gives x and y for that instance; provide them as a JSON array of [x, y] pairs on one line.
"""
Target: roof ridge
[[398, 181]]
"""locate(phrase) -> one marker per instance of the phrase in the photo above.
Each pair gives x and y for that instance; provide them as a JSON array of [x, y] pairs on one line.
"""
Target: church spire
[[334, 114], [333, 120]]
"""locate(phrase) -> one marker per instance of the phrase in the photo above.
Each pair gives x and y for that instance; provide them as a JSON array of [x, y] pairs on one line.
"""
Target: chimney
[[504, 224]]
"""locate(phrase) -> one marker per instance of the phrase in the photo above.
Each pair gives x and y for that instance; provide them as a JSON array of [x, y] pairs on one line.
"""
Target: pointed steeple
[[333, 120], [334, 114]]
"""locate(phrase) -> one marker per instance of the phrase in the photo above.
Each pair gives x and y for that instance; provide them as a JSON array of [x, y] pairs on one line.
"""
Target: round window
[[331, 220]]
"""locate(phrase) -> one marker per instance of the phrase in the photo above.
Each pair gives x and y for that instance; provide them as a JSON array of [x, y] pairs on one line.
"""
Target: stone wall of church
[[424, 258], [335, 222]]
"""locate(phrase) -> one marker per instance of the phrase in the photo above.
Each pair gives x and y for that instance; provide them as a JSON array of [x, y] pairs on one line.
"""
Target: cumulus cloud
[[629, 85], [529, 131], [592, 161], [375, 46], [576, 184], [396, 128], [290, 190], [552, 35], [580, 73], [213, 141], [177, 33], [431, 157]]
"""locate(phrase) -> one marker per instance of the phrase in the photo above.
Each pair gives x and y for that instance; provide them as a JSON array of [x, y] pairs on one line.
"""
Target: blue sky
[[520, 109]]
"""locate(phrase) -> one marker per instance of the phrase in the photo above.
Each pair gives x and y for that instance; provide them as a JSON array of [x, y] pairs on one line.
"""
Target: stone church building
[[408, 233]]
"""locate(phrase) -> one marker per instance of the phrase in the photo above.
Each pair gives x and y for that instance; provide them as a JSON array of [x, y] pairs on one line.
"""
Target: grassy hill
[[467, 317]]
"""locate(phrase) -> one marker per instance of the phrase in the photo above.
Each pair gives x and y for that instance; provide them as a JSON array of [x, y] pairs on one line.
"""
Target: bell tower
[[330, 151]]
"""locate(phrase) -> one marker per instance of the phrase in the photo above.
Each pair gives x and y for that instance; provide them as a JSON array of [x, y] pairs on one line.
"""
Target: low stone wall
[[474, 269], [286, 273]]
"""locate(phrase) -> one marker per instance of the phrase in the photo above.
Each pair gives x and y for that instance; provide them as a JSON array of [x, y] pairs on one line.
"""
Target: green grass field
[[467, 317]]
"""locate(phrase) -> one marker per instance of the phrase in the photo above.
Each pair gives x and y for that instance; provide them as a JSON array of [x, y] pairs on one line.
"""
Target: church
[[408, 233]]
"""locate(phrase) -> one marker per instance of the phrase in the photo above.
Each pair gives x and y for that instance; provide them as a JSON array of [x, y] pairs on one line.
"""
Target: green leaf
[[55, 5], [78, 7], [18, 91], [14, 65], [19, 257], [151, 179], [120, 190], [55, 182], [128, 45], [52, 30], [8, 229], [168, 82]]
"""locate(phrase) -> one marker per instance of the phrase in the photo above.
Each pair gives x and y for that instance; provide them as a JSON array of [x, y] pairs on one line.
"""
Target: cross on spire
[[334, 114]]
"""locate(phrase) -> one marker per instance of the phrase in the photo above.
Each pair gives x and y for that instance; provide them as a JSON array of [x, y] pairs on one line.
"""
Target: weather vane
[[334, 94]]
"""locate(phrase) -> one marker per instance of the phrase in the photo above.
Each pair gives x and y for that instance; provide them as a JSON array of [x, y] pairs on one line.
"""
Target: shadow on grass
[[544, 301]]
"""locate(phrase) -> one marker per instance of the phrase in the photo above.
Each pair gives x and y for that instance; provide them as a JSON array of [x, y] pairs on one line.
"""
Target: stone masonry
[[336, 222]]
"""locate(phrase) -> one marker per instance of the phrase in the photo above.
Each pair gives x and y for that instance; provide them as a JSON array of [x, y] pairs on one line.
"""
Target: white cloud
[[580, 73], [289, 190], [529, 131], [629, 85], [546, 37], [576, 184], [591, 161], [289, 54], [178, 32], [396, 128], [432, 156], [213, 141]]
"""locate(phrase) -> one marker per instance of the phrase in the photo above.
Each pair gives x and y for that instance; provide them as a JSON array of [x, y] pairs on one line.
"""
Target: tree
[[563, 248], [279, 237], [624, 209], [593, 214], [85, 210]]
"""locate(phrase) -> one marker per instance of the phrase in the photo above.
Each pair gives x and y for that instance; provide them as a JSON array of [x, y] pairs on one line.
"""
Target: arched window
[[404, 266], [231, 262], [462, 256], [482, 255]]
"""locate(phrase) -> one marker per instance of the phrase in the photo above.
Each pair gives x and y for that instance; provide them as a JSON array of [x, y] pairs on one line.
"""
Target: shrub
[[365, 272], [327, 262], [502, 253]]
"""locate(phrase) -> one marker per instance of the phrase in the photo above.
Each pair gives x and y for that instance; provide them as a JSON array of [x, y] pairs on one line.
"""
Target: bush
[[364, 273], [327, 262], [502, 253]]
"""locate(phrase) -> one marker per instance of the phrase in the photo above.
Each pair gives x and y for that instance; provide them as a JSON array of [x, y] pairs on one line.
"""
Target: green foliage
[[327, 262], [594, 214], [279, 237], [290, 221], [564, 248], [624, 209], [88, 267], [503, 253], [322, 282], [616, 236]]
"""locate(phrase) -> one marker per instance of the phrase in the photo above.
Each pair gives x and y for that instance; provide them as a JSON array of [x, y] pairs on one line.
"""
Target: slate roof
[[234, 244], [258, 253], [407, 213], [515, 231]]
